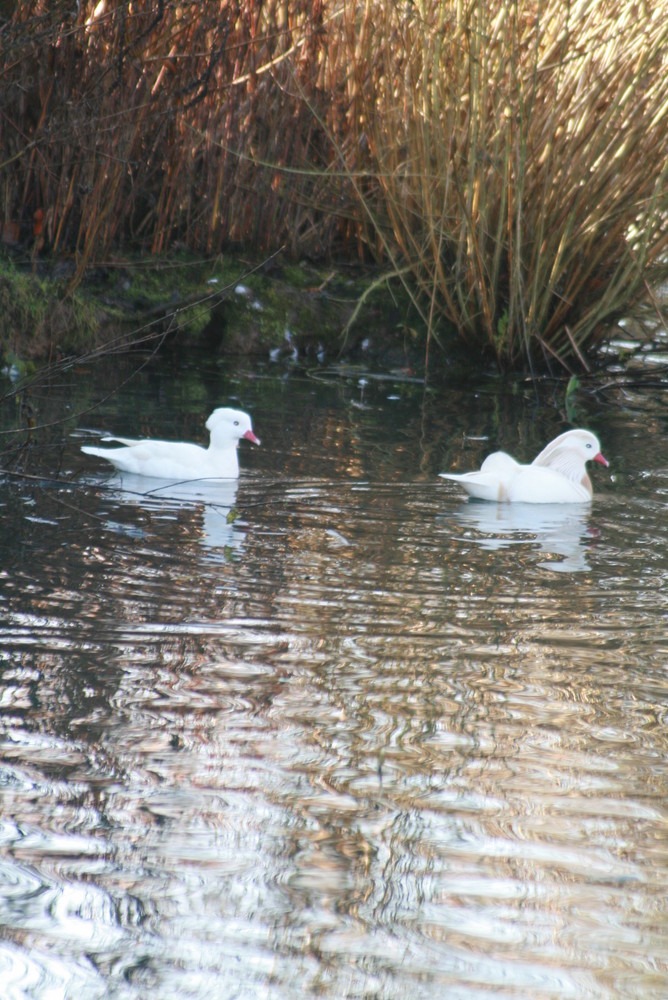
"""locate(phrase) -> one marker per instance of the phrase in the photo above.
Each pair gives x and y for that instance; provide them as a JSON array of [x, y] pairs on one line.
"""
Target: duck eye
[[236, 424]]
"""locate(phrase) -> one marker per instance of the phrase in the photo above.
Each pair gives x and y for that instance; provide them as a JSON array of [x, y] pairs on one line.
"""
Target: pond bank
[[273, 309], [228, 304]]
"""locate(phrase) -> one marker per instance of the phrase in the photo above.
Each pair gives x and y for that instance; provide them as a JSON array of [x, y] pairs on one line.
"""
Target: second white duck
[[180, 460], [557, 475]]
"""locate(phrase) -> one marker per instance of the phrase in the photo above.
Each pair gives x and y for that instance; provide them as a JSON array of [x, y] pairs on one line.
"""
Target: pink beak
[[601, 459], [251, 437]]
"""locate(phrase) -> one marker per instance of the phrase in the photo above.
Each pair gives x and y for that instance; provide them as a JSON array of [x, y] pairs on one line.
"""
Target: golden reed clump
[[507, 160]]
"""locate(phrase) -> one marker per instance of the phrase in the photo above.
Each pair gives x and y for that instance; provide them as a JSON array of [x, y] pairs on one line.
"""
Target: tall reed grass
[[522, 149], [145, 123], [506, 158]]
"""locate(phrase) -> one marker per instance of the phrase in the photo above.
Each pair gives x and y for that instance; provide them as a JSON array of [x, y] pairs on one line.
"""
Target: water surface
[[332, 731]]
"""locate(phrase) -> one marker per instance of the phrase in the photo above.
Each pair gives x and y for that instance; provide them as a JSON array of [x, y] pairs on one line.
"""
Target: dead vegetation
[[506, 160]]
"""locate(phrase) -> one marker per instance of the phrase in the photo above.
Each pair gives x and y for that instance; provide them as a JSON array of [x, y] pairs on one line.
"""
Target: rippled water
[[332, 731]]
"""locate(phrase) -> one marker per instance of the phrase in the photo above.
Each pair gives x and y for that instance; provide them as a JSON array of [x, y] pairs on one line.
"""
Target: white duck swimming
[[180, 460], [557, 475]]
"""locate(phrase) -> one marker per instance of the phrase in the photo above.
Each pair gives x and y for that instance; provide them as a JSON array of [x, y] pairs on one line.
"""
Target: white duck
[[557, 475], [180, 460]]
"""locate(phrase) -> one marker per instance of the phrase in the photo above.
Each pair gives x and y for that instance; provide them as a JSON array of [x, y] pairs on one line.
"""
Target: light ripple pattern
[[361, 739]]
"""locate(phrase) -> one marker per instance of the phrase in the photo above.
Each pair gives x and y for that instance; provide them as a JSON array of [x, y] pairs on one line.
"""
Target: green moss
[[222, 303], [39, 320]]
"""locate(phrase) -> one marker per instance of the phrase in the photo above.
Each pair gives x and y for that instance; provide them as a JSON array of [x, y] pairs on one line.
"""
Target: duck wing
[[163, 460], [480, 485], [539, 484], [491, 481]]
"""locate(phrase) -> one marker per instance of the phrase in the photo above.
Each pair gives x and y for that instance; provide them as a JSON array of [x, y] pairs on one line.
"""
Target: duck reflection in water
[[209, 506], [557, 530]]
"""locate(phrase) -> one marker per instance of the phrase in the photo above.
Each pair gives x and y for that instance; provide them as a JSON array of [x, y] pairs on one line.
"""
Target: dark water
[[358, 739]]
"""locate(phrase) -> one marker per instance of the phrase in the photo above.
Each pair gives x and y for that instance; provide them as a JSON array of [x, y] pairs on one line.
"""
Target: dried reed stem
[[508, 159]]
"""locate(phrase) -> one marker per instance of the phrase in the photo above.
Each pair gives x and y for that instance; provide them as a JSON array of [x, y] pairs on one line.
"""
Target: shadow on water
[[330, 730]]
